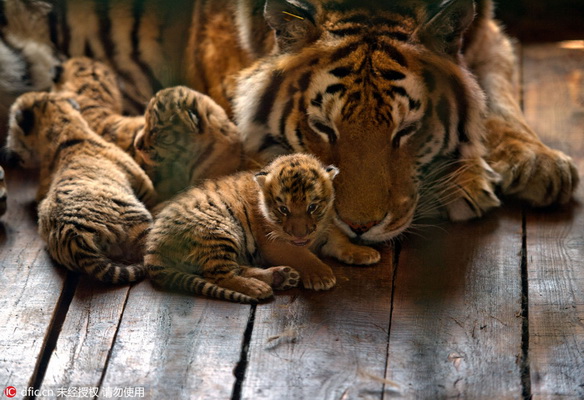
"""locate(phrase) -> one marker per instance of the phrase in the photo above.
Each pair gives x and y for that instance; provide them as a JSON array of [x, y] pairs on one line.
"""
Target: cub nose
[[360, 228]]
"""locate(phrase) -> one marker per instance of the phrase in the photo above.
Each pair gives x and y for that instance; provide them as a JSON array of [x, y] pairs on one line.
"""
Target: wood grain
[[86, 337], [177, 346], [30, 285], [554, 105], [324, 345], [456, 326]]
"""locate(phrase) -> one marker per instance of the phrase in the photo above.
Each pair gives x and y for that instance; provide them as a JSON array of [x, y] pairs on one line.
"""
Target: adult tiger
[[408, 97]]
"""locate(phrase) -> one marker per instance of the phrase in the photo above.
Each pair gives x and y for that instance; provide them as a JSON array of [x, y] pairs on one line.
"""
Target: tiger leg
[[340, 247], [279, 278], [529, 169], [231, 276]]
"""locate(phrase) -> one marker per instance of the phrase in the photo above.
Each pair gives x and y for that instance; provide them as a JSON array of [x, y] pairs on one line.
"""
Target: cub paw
[[358, 255], [285, 278], [473, 191], [251, 287], [319, 280], [535, 173]]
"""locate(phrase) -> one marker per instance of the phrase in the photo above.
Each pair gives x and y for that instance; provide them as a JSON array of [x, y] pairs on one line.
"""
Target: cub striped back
[[92, 195]]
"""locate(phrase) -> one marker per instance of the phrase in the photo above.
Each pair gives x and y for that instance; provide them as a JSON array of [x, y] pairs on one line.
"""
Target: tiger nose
[[360, 229]]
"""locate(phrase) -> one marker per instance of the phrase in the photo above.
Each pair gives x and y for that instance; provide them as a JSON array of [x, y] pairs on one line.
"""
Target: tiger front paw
[[535, 173], [472, 193], [319, 278], [358, 255]]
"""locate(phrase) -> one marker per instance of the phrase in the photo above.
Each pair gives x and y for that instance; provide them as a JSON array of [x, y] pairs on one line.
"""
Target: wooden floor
[[491, 309]]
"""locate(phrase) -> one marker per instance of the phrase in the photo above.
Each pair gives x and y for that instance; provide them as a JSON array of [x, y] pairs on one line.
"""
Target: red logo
[[10, 391]]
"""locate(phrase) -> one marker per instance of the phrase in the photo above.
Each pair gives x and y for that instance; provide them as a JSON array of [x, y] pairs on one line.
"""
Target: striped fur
[[91, 211], [413, 99], [183, 137], [204, 240]]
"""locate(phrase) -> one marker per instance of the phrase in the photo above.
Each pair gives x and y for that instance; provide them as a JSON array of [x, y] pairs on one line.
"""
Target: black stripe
[[429, 80], [330, 132], [65, 41], [460, 95], [138, 12], [304, 81], [396, 35], [102, 8], [443, 112], [346, 31], [3, 19], [336, 88], [341, 72], [268, 98], [343, 52], [392, 75], [394, 54], [285, 114]]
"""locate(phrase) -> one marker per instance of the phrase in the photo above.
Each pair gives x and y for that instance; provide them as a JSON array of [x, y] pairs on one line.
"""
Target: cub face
[[29, 131], [296, 197]]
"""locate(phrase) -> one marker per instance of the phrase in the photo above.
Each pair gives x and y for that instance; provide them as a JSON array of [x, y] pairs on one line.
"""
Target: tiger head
[[296, 197], [377, 89], [35, 122]]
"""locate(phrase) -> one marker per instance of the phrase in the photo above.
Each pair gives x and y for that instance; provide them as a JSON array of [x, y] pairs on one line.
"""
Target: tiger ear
[[332, 171], [24, 118], [443, 31], [260, 178], [293, 21]]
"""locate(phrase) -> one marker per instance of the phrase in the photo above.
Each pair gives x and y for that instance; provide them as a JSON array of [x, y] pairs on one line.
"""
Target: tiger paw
[[358, 255], [251, 287], [473, 191], [321, 279], [535, 173], [284, 278]]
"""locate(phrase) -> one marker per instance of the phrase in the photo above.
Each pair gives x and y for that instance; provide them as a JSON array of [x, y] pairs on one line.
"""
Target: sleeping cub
[[208, 239], [92, 214], [183, 137]]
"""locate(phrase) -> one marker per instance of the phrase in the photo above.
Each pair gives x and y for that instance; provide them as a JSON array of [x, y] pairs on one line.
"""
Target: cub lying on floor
[[91, 211], [207, 239], [183, 137]]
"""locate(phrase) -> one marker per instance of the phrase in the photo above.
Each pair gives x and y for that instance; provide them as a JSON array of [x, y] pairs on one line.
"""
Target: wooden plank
[[554, 105], [324, 345], [86, 338], [30, 285], [176, 346], [456, 326]]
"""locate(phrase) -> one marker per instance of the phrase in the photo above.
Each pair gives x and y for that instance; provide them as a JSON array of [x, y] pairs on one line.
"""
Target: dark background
[[542, 20]]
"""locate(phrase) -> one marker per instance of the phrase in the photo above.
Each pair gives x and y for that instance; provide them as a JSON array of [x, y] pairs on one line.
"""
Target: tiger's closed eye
[[401, 134]]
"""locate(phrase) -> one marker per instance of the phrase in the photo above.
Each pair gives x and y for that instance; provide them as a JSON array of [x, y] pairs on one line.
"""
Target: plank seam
[[241, 366], [114, 339], [525, 367], [54, 331], [395, 261]]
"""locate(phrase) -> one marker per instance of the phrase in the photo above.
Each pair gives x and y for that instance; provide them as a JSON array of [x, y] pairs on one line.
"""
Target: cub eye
[[284, 210], [312, 208], [166, 140]]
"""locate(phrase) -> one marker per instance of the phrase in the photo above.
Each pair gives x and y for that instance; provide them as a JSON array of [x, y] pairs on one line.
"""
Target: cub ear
[[24, 118], [332, 171], [260, 178], [443, 31], [293, 21]]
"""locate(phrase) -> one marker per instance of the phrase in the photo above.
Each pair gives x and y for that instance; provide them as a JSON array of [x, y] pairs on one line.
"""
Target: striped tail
[[177, 280], [78, 256]]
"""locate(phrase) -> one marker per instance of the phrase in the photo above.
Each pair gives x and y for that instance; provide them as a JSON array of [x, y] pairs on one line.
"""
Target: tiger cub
[[183, 137], [207, 239], [91, 211]]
